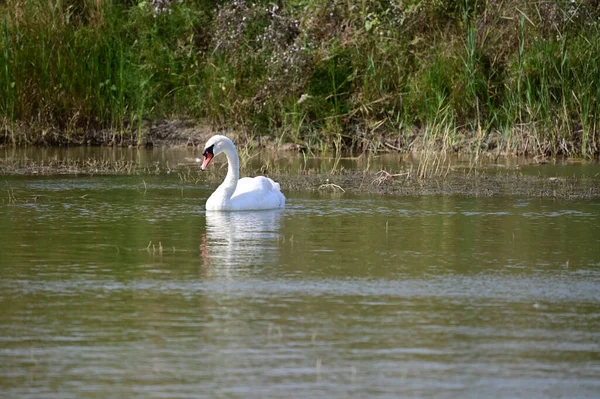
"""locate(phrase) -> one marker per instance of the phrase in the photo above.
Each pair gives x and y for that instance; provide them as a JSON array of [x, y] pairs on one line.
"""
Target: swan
[[235, 194]]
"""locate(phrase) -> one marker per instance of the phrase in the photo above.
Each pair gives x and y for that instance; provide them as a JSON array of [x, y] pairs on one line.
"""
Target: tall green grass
[[91, 65], [509, 76]]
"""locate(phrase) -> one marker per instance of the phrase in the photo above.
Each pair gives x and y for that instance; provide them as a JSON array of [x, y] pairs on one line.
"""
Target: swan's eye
[[209, 150]]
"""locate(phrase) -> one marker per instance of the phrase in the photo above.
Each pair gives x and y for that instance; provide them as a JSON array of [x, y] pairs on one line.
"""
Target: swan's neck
[[233, 171]]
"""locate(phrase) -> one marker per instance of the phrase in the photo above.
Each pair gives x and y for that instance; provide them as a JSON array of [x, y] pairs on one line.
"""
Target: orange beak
[[207, 158]]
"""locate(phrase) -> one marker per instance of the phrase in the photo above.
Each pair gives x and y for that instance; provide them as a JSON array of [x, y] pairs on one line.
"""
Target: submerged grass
[[504, 76], [325, 176]]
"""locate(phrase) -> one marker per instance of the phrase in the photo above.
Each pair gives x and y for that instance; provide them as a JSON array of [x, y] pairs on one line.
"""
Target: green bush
[[330, 71]]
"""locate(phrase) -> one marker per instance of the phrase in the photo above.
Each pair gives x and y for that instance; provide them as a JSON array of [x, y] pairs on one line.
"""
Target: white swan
[[235, 194]]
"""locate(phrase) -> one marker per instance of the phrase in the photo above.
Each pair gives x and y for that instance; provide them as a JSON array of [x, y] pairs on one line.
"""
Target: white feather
[[248, 193]]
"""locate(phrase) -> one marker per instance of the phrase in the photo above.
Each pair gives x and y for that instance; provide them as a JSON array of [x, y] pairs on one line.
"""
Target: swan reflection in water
[[235, 241]]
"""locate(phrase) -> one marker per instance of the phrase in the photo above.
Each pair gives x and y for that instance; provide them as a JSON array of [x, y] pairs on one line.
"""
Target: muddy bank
[[160, 133], [194, 133]]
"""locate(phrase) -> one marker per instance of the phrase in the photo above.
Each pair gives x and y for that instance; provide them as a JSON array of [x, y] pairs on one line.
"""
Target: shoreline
[[431, 172], [173, 133]]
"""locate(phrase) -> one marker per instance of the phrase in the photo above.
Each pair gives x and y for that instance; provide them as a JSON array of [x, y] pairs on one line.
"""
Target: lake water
[[123, 286]]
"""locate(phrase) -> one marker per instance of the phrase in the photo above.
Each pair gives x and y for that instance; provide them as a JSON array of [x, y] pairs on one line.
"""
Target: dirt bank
[[179, 132], [161, 133]]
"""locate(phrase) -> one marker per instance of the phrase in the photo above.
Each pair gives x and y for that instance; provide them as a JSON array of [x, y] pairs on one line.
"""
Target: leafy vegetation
[[516, 77]]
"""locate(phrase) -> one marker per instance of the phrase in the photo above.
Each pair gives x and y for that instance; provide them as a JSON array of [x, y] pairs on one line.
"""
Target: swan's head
[[214, 146]]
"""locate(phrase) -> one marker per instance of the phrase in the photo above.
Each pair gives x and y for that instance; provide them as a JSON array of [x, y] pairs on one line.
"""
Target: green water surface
[[125, 287]]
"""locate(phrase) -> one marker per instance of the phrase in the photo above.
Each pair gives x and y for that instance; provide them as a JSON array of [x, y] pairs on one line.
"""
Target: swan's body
[[235, 194]]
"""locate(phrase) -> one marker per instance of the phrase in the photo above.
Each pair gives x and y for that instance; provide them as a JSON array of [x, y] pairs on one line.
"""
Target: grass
[[505, 76]]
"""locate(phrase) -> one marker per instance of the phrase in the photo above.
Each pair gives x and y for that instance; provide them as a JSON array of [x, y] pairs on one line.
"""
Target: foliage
[[518, 76]]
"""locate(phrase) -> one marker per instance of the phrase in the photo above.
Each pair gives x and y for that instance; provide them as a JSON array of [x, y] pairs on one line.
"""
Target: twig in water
[[384, 176], [331, 185]]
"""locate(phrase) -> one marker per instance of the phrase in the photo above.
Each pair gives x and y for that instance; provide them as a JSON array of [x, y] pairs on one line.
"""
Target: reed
[[514, 77]]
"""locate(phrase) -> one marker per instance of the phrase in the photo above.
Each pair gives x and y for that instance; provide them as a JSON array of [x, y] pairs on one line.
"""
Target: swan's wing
[[253, 193], [255, 184]]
